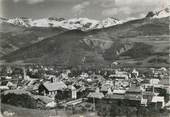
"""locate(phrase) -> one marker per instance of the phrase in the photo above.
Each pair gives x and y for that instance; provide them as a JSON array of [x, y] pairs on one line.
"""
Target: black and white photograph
[[84, 58]]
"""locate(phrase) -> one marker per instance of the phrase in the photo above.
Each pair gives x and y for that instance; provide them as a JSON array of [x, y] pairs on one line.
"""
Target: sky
[[95, 9]]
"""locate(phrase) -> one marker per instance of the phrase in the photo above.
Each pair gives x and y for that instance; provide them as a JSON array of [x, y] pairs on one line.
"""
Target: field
[[23, 112]]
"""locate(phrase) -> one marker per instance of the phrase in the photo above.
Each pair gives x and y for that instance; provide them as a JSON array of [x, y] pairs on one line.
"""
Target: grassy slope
[[69, 48], [24, 112], [15, 37]]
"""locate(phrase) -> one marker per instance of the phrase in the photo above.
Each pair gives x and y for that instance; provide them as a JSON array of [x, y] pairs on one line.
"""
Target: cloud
[[107, 3], [29, 1], [78, 9], [118, 3], [139, 2], [130, 8], [110, 12], [116, 11], [100, 9]]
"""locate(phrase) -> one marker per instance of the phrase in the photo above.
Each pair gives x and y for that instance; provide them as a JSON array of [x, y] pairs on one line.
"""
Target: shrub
[[21, 100]]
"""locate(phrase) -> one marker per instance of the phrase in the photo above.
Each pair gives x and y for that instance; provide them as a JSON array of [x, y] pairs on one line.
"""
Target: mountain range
[[87, 42], [83, 24]]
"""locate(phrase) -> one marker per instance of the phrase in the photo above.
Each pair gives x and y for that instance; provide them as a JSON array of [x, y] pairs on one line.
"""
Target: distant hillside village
[[120, 91]]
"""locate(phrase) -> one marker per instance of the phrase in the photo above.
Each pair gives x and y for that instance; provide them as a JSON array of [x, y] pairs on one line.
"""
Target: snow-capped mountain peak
[[159, 13], [2, 19], [83, 24], [80, 23], [110, 22], [20, 21]]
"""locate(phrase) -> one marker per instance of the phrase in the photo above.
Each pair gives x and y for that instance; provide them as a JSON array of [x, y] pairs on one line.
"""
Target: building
[[73, 91], [120, 92], [105, 87], [134, 96], [166, 83], [154, 81], [51, 88], [157, 103], [135, 73], [96, 95]]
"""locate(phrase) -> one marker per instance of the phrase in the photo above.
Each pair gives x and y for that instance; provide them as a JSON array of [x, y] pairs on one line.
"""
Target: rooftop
[[134, 89], [114, 96], [95, 95], [158, 99], [119, 91], [165, 81], [55, 86]]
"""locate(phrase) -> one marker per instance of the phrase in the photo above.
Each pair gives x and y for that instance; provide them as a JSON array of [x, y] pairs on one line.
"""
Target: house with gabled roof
[[134, 95], [51, 88]]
